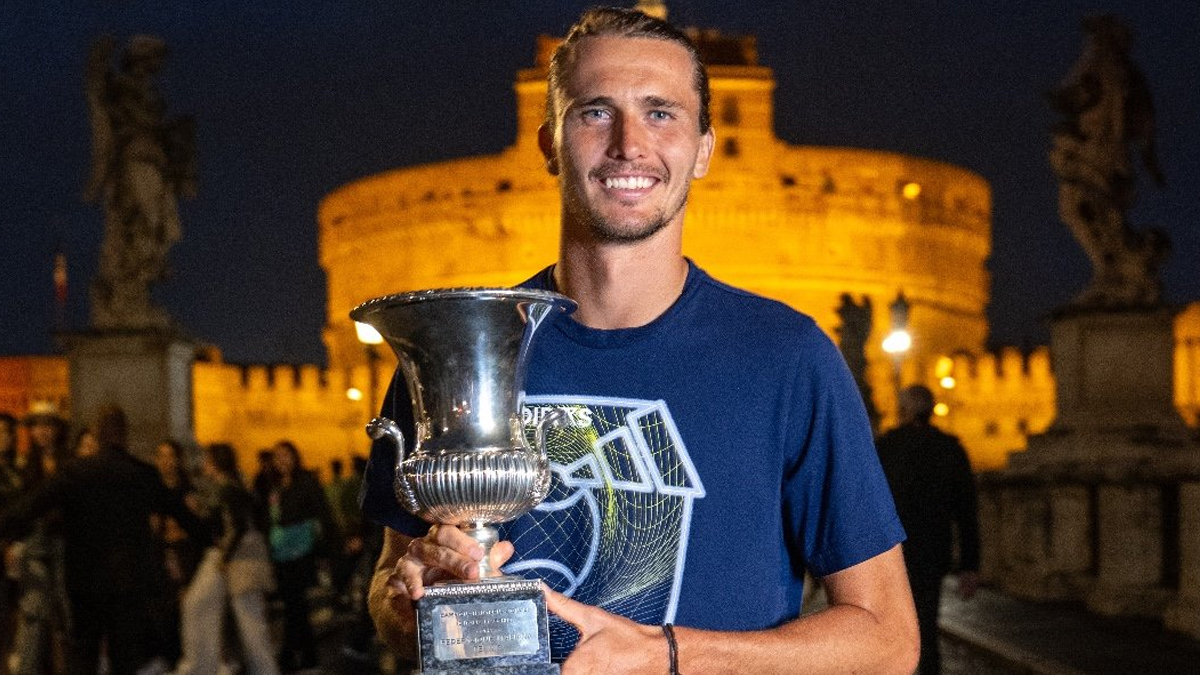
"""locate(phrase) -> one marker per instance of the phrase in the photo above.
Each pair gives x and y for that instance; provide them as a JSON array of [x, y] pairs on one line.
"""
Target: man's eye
[[595, 114], [660, 115]]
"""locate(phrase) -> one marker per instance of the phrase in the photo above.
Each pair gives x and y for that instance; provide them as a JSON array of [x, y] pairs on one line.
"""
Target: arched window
[[729, 112]]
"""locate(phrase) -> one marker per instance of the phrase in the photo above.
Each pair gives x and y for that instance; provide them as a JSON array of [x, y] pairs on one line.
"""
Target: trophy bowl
[[463, 353]]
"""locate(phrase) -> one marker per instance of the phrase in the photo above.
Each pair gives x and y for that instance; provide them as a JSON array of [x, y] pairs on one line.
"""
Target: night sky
[[292, 100]]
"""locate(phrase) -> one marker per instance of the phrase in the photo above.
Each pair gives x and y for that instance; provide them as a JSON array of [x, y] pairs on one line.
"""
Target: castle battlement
[[1009, 370], [254, 406], [994, 400]]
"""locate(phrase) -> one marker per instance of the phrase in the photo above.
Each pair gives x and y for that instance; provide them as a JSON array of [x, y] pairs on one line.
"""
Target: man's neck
[[621, 286]]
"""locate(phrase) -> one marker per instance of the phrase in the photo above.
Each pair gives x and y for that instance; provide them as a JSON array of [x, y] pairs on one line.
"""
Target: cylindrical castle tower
[[800, 224]]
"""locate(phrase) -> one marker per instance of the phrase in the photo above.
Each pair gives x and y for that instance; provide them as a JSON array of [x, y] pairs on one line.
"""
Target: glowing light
[[911, 190], [945, 366], [897, 342], [354, 394], [948, 382], [941, 410], [367, 334]]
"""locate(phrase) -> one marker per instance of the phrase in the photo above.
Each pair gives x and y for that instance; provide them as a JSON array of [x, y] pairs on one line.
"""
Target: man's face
[[627, 142]]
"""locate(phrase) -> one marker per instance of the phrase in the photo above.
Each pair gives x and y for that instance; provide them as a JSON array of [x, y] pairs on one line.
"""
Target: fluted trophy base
[[497, 626]]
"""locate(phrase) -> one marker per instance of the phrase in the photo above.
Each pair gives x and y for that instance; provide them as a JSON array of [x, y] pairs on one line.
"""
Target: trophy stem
[[487, 537]]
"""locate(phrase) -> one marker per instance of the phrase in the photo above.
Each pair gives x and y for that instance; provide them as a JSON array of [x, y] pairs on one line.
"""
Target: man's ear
[[704, 153], [546, 144]]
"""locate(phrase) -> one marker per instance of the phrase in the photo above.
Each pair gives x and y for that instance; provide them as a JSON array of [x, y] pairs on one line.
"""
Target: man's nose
[[628, 140]]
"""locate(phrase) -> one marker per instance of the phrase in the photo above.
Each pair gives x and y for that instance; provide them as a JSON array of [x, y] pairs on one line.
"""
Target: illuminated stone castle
[[800, 224]]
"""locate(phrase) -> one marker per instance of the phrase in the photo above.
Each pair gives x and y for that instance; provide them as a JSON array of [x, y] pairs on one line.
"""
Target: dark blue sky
[[292, 100]]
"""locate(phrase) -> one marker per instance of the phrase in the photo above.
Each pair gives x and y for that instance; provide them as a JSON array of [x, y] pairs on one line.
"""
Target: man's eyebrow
[[660, 102], [651, 101], [594, 101]]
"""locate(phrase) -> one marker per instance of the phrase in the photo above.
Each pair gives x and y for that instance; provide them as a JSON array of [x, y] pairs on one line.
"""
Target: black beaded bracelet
[[672, 647]]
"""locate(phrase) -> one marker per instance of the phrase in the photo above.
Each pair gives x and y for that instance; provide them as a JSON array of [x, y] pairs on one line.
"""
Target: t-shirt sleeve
[[378, 497], [836, 497]]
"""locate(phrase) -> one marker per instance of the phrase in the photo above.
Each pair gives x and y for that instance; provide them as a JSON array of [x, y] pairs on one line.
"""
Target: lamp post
[[370, 339], [898, 341]]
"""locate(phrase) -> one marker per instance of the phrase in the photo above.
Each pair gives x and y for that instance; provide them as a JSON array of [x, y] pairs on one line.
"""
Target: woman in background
[[238, 567], [180, 554], [302, 527], [36, 563]]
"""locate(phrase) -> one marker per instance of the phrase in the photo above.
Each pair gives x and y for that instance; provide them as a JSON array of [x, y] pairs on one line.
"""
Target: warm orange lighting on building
[[801, 224]]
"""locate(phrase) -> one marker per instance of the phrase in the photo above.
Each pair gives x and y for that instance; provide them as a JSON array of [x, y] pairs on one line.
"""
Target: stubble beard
[[612, 231]]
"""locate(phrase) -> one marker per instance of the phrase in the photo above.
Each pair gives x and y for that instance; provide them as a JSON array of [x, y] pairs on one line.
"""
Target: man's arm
[[870, 626], [388, 601]]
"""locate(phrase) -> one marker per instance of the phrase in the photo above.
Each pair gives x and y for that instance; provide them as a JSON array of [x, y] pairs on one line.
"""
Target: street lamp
[[370, 339], [898, 341]]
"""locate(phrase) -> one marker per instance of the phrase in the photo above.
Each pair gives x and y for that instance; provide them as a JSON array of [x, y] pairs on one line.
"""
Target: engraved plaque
[[487, 629]]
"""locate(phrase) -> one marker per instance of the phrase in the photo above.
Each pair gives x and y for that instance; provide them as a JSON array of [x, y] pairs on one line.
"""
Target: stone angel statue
[[853, 333], [141, 163], [1107, 114]]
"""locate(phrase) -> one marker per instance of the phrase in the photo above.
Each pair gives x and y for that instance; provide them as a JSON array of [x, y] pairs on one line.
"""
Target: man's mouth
[[629, 182]]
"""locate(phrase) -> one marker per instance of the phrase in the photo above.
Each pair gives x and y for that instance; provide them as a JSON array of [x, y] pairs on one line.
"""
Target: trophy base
[[527, 669], [496, 626]]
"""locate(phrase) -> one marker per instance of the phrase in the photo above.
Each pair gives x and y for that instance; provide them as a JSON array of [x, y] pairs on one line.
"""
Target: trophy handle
[[555, 419], [382, 426]]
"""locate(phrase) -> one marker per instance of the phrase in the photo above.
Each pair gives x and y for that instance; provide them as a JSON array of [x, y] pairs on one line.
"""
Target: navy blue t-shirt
[[714, 454]]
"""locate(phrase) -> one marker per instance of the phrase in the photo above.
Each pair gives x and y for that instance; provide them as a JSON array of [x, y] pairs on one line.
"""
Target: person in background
[[342, 494], [85, 444], [180, 553], [360, 637], [113, 566], [302, 529], [10, 481], [934, 489], [36, 562], [266, 477], [237, 566], [10, 487]]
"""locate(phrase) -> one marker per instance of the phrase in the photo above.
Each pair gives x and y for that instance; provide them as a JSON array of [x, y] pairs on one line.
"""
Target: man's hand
[[609, 644], [444, 553]]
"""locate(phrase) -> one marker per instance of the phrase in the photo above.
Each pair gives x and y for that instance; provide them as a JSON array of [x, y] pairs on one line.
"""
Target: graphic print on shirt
[[613, 531]]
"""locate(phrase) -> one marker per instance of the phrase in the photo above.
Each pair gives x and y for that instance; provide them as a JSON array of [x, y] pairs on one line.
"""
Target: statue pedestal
[[1114, 373], [147, 372]]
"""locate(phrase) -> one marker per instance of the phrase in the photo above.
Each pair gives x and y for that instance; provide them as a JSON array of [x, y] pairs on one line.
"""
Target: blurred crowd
[[181, 565]]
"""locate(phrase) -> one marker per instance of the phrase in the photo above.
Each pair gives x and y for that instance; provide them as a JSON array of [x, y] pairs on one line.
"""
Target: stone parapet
[[1183, 613], [1114, 534]]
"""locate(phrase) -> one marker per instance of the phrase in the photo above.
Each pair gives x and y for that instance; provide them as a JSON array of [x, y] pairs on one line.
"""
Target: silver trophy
[[463, 353]]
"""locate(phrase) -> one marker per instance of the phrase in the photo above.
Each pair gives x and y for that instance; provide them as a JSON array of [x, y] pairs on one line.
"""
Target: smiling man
[[718, 446]]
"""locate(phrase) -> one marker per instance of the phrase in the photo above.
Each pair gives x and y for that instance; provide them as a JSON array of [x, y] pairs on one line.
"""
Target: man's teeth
[[631, 183]]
